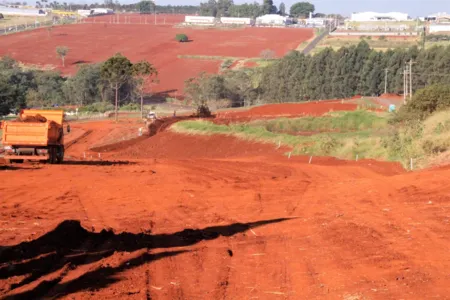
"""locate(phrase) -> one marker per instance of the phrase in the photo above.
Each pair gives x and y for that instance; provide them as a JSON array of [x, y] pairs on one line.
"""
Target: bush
[[203, 111], [181, 37], [382, 38], [99, 107], [131, 107], [226, 64], [267, 54], [425, 102]]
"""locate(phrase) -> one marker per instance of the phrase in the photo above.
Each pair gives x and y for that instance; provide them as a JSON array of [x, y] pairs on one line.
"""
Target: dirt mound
[[179, 146], [32, 119]]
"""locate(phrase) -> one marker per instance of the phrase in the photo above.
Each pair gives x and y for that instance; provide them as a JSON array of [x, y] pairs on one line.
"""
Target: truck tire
[[60, 154], [52, 155]]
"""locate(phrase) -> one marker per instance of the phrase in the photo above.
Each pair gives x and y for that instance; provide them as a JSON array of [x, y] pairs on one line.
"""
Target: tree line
[[117, 6], [227, 8], [116, 81], [329, 74]]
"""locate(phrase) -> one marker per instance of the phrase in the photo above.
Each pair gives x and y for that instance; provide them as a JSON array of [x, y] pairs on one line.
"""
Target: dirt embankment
[[198, 217]]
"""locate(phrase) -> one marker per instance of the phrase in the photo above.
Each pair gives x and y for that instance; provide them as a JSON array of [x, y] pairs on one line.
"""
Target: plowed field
[[176, 62], [186, 217]]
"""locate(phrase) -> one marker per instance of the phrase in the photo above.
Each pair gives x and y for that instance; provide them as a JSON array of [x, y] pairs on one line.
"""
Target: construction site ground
[[176, 216]]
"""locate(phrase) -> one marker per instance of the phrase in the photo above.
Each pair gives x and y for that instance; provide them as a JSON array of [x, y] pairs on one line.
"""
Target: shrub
[[226, 64], [425, 102], [181, 37], [267, 54], [203, 111], [382, 38], [100, 107], [131, 107]]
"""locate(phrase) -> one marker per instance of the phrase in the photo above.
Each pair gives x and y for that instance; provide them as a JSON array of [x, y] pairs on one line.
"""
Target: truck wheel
[[52, 155], [60, 154]]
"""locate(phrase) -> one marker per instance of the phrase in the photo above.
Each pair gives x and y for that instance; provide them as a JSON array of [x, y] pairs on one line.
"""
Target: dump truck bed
[[32, 134]]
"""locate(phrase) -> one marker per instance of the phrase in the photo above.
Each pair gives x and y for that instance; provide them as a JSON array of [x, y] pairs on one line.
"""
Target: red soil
[[315, 108], [199, 218], [90, 43], [250, 64], [161, 19]]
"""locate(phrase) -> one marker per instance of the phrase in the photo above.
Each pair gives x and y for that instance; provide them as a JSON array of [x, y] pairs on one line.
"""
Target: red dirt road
[[217, 218], [95, 42]]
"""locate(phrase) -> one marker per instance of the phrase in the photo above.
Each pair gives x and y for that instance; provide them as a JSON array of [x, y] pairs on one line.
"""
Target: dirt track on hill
[[195, 217]]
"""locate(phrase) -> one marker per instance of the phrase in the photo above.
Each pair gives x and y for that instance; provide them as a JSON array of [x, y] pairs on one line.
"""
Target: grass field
[[17, 20], [374, 42], [345, 135]]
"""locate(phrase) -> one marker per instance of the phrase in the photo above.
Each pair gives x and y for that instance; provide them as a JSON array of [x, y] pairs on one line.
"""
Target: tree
[[62, 52], [223, 8], [268, 7], [426, 101], [302, 9], [282, 9], [319, 15], [144, 73], [86, 86], [209, 8], [145, 7], [245, 10], [117, 70]]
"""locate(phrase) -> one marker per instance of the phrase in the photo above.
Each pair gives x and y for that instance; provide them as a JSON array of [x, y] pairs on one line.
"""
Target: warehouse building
[[374, 16], [10, 11], [199, 20], [237, 21], [273, 20]]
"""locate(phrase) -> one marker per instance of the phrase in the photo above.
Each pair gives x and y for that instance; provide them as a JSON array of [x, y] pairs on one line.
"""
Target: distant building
[[9, 11], [442, 16], [199, 20], [374, 16], [273, 20], [317, 22], [101, 11], [237, 21]]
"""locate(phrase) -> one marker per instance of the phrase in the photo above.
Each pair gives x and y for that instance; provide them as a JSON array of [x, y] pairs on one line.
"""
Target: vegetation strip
[[346, 135]]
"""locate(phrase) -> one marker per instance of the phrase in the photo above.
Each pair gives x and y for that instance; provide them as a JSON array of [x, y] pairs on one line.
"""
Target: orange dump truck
[[35, 135]]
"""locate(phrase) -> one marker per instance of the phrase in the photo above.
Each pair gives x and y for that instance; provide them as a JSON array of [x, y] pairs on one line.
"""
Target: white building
[[317, 22], [9, 11], [199, 20], [374, 16], [238, 21], [101, 11], [273, 20], [84, 12], [435, 28]]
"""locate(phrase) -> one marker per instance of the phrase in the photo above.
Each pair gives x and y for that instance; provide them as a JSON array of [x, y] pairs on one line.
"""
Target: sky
[[414, 8]]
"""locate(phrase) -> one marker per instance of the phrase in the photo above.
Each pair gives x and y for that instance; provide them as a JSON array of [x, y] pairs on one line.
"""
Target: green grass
[[374, 42], [337, 121], [344, 135]]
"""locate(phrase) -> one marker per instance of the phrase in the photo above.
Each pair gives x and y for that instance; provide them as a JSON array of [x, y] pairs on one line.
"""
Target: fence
[[8, 29]]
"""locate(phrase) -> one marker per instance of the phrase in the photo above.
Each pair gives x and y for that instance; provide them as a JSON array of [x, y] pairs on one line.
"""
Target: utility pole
[[410, 78], [405, 84], [385, 80]]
